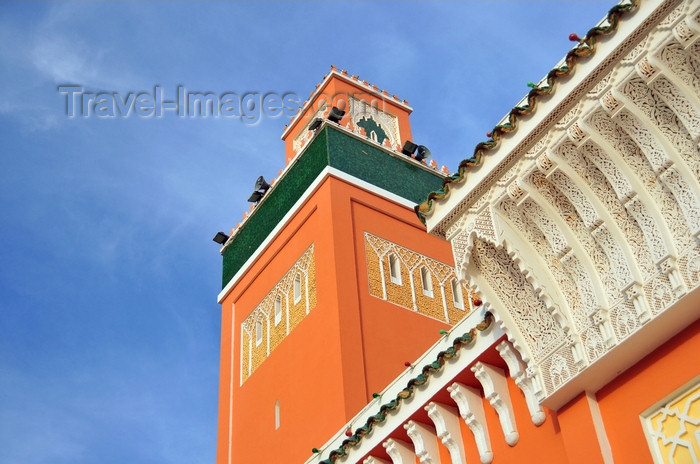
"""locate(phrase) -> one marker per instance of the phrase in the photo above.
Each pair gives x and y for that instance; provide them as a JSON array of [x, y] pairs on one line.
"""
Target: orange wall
[[645, 383], [578, 432], [349, 346], [224, 392], [389, 334], [305, 368]]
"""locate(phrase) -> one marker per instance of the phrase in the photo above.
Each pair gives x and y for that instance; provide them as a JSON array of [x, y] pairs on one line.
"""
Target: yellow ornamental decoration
[[416, 282], [279, 312], [673, 430]]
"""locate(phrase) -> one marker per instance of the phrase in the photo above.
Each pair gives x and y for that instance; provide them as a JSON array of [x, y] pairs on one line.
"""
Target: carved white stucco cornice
[[599, 214]]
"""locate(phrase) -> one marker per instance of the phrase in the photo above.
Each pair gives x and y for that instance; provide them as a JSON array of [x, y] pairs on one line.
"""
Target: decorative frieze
[[576, 134], [597, 230], [415, 281], [610, 103], [279, 312], [645, 70], [515, 192]]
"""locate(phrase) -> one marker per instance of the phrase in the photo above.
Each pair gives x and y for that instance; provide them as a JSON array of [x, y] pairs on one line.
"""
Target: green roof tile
[[340, 150]]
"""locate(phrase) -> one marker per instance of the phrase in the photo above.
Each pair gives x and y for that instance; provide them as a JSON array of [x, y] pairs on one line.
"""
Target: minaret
[[331, 286]]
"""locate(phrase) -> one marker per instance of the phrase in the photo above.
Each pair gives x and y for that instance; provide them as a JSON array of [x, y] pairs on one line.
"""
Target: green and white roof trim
[[585, 48]]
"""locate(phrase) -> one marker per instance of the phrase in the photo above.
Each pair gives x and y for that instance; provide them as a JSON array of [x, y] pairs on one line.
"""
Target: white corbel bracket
[[610, 104], [518, 373], [400, 452], [495, 387], [446, 420], [373, 460], [424, 442], [471, 408], [685, 31], [516, 192]]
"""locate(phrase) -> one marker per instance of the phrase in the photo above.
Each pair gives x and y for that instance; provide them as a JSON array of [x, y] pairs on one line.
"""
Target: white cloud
[[44, 53], [63, 56], [65, 61]]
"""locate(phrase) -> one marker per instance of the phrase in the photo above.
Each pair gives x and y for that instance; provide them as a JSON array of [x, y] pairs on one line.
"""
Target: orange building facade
[[330, 265], [548, 315]]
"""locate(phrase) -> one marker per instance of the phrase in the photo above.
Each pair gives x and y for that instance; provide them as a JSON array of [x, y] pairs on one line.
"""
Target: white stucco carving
[[595, 231]]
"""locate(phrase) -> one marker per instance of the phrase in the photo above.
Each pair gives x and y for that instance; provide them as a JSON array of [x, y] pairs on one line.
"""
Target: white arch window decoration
[[297, 288], [457, 297], [395, 269], [258, 332], [426, 281], [278, 309]]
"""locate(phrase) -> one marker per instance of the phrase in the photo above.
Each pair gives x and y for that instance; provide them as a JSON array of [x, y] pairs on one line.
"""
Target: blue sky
[[109, 326]]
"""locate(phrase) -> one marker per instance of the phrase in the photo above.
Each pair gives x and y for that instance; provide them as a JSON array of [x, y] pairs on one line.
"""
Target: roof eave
[[551, 99]]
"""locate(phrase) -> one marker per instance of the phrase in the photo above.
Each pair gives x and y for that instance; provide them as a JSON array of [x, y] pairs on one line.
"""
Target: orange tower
[[578, 222], [330, 277]]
